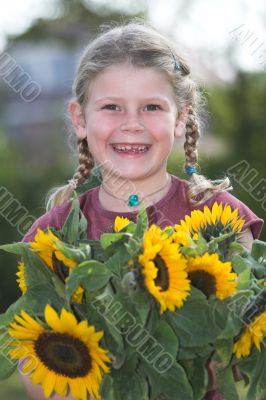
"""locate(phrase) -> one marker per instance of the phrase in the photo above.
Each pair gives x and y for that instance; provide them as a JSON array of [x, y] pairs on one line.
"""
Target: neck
[[115, 190]]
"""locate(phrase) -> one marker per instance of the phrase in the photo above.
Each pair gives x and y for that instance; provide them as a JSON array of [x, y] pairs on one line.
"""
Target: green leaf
[[107, 388], [186, 354], [194, 316], [243, 281], [201, 245], [240, 264], [7, 367], [136, 240], [7, 364], [258, 249], [15, 308], [108, 239], [172, 384], [37, 297], [35, 269], [83, 224], [226, 383], [198, 376], [15, 248], [75, 226], [254, 367], [142, 218], [118, 260], [105, 312], [4, 321], [153, 318], [224, 349], [97, 252], [78, 254], [166, 337], [189, 251], [142, 302], [236, 306], [91, 275], [130, 386]]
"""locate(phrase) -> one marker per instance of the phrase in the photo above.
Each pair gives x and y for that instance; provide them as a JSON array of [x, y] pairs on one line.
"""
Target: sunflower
[[212, 276], [77, 296], [21, 277], [45, 245], [211, 223], [254, 333], [65, 356], [163, 269], [120, 223]]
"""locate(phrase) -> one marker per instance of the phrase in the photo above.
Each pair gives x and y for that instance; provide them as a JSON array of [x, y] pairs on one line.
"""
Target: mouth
[[131, 148]]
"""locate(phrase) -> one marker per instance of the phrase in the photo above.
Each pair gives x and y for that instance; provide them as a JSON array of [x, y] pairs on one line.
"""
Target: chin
[[129, 174]]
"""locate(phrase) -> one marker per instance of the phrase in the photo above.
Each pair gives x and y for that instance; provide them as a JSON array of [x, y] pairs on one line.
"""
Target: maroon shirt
[[168, 211]]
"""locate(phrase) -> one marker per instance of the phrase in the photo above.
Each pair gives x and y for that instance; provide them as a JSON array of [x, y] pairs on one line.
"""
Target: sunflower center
[[203, 281], [63, 354], [60, 268], [162, 278]]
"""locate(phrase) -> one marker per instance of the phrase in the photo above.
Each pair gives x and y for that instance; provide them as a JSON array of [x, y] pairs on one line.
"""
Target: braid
[[200, 189], [62, 194], [86, 162], [192, 136]]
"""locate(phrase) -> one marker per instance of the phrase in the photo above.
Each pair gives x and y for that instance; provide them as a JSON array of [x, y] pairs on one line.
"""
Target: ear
[[181, 122], [77, 119]]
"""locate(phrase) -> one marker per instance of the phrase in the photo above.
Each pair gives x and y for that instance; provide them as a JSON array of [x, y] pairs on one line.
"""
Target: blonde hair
[[138, 43]]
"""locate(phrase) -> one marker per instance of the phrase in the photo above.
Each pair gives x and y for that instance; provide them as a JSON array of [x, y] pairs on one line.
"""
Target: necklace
[[134, 200]]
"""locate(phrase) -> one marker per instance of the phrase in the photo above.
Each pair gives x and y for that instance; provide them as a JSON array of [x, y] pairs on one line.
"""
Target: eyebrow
[[160, 99]]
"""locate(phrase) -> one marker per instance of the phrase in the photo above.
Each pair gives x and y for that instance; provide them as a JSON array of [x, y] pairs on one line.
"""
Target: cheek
[[163, 131], [98, 133]]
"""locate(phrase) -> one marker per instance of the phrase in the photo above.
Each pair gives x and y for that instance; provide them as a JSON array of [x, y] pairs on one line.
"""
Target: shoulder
[[57, 215], [252, 221]]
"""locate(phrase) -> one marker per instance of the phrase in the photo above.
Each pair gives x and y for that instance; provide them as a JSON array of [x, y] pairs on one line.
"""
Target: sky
[[212, 25]]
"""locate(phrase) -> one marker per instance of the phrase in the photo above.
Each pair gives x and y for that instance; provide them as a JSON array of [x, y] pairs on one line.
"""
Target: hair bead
[[191, 169]]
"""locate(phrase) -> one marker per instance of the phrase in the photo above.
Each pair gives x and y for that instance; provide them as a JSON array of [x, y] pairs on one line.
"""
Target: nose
[[132, 123]]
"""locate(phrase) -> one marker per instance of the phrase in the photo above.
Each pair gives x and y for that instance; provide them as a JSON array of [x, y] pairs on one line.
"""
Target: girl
[[133, 95]]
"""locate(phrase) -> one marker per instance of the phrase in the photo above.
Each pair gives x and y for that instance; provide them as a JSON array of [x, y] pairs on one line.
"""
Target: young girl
[[133, 95]]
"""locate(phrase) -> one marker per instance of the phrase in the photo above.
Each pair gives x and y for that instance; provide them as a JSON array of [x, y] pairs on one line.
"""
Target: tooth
[[132, 148]]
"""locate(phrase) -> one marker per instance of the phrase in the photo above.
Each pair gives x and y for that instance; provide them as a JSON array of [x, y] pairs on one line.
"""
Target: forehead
[[127, 80]]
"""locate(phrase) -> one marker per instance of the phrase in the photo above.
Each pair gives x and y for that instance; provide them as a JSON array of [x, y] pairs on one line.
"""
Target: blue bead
[[191, 169], [133, 200]]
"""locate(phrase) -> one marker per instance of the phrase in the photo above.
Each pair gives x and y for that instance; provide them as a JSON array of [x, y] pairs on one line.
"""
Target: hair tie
[[191, 169], [73, 183]]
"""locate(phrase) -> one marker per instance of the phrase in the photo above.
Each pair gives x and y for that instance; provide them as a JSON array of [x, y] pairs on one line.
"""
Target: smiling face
[[130, 120]]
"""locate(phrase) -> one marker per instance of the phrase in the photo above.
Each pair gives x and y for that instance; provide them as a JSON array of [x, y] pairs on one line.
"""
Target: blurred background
[[40, 45]]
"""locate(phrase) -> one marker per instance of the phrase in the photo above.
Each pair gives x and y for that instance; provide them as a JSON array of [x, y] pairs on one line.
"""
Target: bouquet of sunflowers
[[139, 313]]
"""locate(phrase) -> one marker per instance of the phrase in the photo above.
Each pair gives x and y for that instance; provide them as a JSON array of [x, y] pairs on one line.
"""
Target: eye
[[110, 106], [153, 107]]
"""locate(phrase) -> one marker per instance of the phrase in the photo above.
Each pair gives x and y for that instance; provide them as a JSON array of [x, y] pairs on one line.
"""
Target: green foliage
[[155, 354]]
